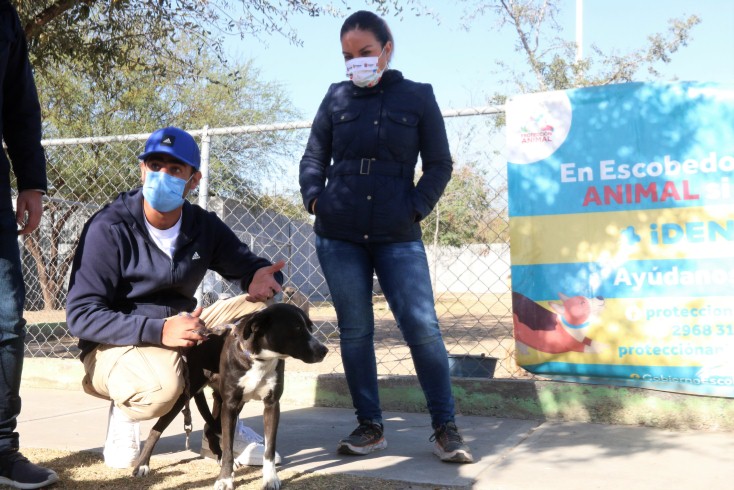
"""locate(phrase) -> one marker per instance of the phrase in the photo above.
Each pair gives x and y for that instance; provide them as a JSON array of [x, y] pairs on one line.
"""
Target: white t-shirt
[[165, 239]]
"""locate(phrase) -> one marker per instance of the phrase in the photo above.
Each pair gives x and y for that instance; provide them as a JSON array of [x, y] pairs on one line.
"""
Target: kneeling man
[[131, 294]]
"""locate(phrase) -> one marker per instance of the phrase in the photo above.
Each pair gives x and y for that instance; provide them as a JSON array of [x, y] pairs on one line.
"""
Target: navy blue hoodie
[[123, 286]]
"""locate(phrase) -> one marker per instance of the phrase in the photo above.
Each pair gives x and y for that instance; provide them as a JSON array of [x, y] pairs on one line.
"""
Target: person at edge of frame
[[21, 130]]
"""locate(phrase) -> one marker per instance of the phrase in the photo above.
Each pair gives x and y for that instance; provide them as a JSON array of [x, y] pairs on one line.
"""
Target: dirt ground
[[470, 324], [85, 470], [45, 316]]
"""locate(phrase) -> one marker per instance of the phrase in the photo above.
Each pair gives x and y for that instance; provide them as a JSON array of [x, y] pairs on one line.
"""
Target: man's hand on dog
[[183, 330], [264, 286]]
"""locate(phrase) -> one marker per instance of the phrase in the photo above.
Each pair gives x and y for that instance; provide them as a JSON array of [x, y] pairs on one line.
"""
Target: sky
[[460, 63]]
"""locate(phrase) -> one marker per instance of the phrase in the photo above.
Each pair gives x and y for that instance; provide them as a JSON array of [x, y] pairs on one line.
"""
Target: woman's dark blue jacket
[[361, 156]]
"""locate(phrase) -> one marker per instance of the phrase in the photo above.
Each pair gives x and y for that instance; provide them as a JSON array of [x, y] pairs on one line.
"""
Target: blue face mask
[[164, 192]]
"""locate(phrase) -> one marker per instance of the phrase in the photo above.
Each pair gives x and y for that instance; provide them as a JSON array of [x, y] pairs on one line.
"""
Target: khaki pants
[[145, 381]]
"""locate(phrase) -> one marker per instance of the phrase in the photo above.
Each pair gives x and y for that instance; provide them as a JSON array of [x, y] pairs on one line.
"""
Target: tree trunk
[[31, 243]]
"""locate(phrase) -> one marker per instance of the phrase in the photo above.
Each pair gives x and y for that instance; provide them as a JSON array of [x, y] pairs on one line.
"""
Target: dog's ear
[[558, 307], [249, 324], [306, 320]]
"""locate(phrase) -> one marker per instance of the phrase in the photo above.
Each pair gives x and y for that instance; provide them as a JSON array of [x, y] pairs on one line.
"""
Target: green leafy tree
[[101, 36], [131, 66], [288, 204], [470, 211], [130, 101], [144, 34]]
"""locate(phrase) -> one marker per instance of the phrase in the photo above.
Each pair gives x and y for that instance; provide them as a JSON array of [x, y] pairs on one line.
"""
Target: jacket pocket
[[342, 117], [403, 118], [335, 205], [345, 128], [402, 134]]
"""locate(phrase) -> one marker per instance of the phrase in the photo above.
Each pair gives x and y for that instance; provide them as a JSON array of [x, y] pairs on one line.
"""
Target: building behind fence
[[250, 181]]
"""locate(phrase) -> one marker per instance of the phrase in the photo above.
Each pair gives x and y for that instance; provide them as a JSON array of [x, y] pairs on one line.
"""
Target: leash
[[188, 426]]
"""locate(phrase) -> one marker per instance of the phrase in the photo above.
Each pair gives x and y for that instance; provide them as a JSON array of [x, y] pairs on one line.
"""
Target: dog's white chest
[[260, 380]]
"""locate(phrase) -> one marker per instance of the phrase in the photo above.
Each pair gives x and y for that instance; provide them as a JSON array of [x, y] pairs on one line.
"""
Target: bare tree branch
[[551, 63], [516, 16]]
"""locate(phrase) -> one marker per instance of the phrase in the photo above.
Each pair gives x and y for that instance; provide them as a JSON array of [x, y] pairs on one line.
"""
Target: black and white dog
[[251, 368], [241, 364]]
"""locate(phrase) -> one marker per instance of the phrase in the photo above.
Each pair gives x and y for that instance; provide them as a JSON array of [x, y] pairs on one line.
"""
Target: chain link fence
[[250, 179]]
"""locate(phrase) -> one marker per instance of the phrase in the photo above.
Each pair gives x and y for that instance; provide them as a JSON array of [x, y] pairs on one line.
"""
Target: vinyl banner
[[622, 235]]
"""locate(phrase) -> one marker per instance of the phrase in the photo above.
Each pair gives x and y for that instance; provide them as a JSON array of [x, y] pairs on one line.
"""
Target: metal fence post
[[204, 182], [203, 191]]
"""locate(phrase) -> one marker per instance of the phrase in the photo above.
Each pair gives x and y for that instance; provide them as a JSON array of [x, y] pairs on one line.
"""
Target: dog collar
[[585, 324]]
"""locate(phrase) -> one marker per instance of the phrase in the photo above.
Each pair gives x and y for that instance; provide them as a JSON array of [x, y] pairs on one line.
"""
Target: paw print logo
[[630, 235]]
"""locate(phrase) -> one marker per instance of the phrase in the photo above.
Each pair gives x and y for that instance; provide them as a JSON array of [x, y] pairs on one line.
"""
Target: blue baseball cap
[[175, 142]]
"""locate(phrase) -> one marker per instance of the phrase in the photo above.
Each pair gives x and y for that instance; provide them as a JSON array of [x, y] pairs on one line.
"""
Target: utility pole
[[579, 30]]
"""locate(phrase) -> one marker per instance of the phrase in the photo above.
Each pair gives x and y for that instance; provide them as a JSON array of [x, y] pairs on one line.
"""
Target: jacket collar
[[390, 77], [133, 202]]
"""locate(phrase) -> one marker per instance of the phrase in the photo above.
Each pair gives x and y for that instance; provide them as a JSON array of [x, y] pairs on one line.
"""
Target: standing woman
[[368, 211]]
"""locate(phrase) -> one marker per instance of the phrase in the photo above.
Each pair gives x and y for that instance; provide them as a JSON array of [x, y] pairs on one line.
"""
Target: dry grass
[[85, 470]]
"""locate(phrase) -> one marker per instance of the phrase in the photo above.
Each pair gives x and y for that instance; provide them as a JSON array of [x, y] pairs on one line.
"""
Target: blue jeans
[[12, 330], [402, 269]]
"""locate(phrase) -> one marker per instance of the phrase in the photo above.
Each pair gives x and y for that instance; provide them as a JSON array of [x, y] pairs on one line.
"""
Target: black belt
[[367, 166]]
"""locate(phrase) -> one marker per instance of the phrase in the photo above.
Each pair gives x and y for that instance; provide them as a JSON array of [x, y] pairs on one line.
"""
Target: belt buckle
[[362, 170]]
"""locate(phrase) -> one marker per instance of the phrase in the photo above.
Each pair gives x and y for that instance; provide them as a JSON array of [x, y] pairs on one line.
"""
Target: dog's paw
[[141, 471], [224, 484], [270, 477], [272, 484]]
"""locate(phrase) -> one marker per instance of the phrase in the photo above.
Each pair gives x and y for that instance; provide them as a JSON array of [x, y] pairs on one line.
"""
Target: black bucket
[[471, 366]]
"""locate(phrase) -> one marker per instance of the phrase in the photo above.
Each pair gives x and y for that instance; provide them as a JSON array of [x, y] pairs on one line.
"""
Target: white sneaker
[[247, 445], [122, 445]]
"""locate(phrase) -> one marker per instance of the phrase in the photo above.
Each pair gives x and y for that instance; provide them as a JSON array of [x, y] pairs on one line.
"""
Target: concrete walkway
[[510, 454]]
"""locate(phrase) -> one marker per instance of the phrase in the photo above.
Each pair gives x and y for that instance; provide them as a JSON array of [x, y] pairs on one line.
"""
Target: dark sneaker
[[449, 446], [366, 438], [18, 472]]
